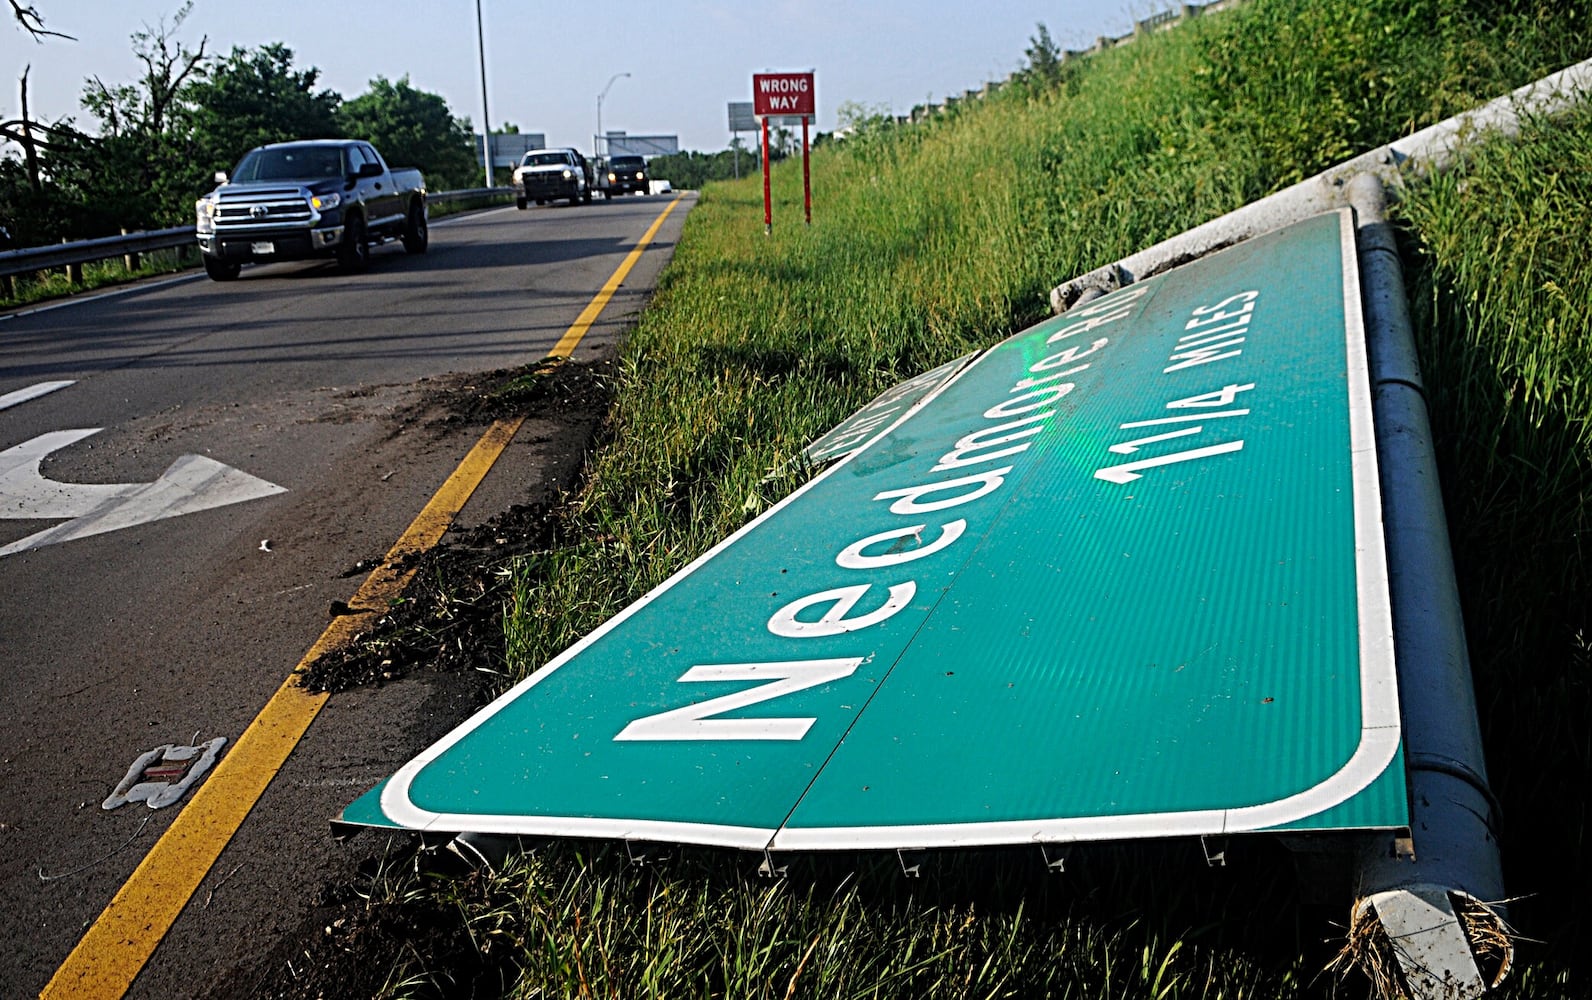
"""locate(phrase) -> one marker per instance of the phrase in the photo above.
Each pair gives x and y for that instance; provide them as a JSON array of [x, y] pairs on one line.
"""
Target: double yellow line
[[120, 942]]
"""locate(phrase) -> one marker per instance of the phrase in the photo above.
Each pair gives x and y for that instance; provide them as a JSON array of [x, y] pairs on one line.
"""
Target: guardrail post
[[74, 272], [130, 260]]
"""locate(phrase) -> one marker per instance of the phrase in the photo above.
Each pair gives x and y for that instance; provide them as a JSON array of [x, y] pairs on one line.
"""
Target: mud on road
[[450, 617], [448, 628]]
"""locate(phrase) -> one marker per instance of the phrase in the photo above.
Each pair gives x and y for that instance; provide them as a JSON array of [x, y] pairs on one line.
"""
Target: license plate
[[263, 247]]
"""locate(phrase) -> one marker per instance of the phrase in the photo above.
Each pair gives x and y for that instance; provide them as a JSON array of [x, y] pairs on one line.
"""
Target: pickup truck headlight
[[205, 209], [568, 174], [611, 177], [322, 202]]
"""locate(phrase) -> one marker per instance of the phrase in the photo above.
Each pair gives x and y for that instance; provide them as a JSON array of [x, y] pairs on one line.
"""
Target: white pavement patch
[[191, 483], [11, 399]]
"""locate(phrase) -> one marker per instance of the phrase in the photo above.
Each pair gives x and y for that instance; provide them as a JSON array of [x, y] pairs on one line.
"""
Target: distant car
[[622, 175], [546, 175]]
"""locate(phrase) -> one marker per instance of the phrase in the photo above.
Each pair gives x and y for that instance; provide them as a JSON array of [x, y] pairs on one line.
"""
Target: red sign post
[[791, 94]]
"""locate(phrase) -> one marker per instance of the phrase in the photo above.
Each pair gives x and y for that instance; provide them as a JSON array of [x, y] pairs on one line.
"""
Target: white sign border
[[1380, 727]]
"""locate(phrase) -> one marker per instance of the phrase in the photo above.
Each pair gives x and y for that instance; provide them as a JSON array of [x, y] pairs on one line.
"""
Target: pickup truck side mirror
[[368, 169], [221, 177]]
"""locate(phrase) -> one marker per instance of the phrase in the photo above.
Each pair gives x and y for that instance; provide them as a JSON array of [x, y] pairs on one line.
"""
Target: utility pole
[[486, 117]]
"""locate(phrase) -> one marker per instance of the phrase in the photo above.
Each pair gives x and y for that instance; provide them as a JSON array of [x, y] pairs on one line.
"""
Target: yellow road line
[[566, 344], [116, 947]]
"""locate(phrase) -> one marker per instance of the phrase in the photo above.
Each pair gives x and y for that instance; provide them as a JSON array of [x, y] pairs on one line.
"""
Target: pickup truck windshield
[[545, 160], [291, 163]]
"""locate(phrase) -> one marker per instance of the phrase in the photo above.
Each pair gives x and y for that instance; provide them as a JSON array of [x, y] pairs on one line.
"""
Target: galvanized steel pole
[[600, 139], [1453, 813], [486, 117], [768, 201]]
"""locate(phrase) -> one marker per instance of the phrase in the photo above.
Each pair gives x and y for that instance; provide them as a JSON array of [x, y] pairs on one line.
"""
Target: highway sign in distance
[[1121, 576], [741, 117]]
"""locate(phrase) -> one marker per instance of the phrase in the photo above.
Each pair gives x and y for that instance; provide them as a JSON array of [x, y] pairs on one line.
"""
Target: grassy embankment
[[937, 239]]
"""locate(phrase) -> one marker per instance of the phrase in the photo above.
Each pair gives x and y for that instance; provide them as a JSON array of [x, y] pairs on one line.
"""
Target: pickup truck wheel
[[220, 270], [608, 194], [520, 203], [585, 199], [417, 233], [353, 254]]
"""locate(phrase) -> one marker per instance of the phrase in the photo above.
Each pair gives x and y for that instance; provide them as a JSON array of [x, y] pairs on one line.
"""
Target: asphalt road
[[319, 389]]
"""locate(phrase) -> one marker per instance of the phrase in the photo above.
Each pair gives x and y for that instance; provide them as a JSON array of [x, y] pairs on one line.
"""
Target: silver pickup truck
[[319, 198]]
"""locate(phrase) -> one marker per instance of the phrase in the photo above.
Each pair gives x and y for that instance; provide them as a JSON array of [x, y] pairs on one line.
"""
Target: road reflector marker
[[163, 775]]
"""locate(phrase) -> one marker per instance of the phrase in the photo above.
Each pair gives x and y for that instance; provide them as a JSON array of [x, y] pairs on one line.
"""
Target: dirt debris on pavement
[[450, 615]]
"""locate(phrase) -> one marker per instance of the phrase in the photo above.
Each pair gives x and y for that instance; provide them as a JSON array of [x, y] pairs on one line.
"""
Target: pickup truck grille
[[263, 207]]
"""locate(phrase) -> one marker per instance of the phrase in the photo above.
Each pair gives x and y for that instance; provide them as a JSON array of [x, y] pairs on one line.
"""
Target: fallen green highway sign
[[1121, 576]]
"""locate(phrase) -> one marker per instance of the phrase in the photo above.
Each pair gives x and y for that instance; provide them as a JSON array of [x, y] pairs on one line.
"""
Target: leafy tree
[[1044, 59], [413, 128], [691, 169], [141, 149], [864, 120], [145, 108], [255, 96]]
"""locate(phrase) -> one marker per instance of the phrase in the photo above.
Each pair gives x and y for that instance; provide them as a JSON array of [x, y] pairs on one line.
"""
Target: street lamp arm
[[599, 136]]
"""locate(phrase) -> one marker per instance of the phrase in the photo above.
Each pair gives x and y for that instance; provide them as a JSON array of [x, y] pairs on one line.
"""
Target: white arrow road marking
[[31, 392], [191, 483]]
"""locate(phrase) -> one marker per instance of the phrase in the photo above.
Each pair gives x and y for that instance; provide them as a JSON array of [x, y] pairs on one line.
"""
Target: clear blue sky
[[546, 62]]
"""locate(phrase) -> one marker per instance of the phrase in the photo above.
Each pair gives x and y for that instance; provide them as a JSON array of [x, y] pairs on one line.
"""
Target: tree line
[[161, 137]]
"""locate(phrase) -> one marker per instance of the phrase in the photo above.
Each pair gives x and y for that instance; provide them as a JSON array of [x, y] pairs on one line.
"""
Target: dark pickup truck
[[623, 174], [319, 198]]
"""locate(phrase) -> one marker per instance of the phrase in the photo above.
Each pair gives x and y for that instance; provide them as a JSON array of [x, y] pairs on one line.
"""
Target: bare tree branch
[[32, 22]]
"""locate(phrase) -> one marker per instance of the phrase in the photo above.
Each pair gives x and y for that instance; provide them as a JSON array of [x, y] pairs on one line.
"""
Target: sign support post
[[768, 203], [807, 176]]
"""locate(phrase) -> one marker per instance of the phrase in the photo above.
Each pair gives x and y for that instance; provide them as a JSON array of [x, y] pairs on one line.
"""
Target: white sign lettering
[[774, 680]]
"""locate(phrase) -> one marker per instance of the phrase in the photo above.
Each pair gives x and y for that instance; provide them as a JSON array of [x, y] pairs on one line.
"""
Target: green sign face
[[862, 426], [1123, 576]]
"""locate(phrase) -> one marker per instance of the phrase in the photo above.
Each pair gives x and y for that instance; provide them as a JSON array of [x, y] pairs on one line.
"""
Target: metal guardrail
[[14, 262], [31, 259], [469, 194]]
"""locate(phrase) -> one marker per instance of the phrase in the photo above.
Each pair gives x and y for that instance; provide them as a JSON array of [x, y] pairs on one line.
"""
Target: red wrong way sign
[[783, 94]]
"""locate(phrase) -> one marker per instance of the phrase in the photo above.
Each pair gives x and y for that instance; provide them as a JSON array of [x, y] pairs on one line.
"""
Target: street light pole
[[599, 136], [486, 117]]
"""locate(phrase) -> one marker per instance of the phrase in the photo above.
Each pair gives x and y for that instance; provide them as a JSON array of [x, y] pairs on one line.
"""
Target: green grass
[[1501, 290], [933, 240]]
